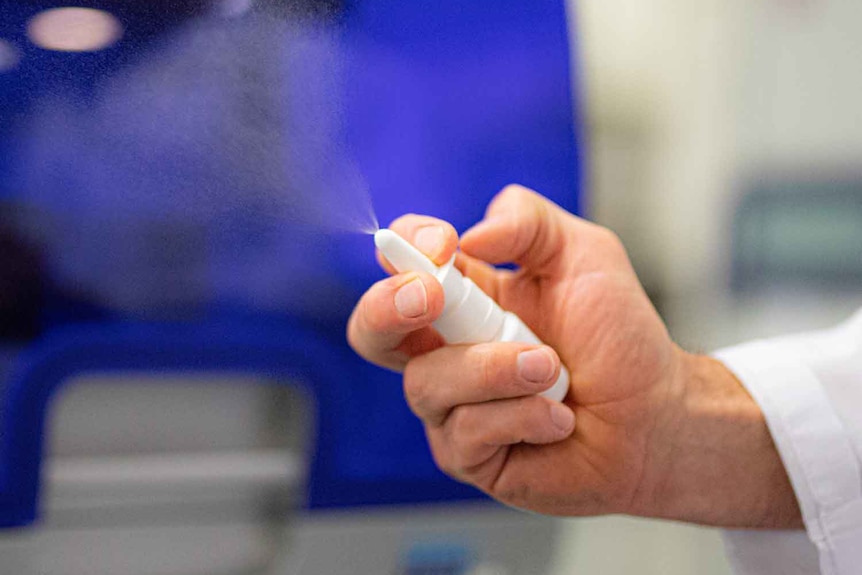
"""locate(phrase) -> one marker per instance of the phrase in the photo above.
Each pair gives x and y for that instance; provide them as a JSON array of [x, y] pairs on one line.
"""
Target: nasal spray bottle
[[469, 314]]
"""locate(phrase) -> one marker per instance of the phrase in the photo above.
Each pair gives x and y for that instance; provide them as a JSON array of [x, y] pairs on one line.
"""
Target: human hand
[[649, 439]]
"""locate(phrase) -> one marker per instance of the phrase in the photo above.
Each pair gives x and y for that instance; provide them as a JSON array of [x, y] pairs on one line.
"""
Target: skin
[[646, 429]]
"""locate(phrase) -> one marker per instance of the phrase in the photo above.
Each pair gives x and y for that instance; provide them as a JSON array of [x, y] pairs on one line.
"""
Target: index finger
[[392, 321], [438, 240], [435, 238]]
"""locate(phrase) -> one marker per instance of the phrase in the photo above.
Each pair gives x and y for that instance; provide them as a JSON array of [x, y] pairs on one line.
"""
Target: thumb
[[523, 228]]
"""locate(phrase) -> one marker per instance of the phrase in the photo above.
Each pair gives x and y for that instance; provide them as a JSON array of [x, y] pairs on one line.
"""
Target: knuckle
[[443, 462], [461, 424], [465, 433], [514, 190], [511, 195], [418, 394], [485, 360], [610, 240], [442, 457], [514, 491], [448, 458], [460, 465]]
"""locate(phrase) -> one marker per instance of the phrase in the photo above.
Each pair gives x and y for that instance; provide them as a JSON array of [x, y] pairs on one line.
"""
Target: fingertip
[[498, 236], [411, 299], [417, 295], [491, 240], [539, 366], [434, 293], [400, 304], [433, 241], [513, 200], [563, 418], [521, 227], [487, 227], [435, 238]]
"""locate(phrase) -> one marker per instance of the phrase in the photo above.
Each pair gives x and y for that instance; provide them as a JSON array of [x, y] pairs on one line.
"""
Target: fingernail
[[429, 240], [536, 365], [562, 417], [411, 300]]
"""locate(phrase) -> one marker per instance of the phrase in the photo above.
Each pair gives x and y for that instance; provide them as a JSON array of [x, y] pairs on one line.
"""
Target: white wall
[[801, 86], [685, 100], [658, 79]]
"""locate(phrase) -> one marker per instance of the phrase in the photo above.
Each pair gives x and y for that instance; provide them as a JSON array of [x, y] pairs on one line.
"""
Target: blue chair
[[449, 101], [357, 460]]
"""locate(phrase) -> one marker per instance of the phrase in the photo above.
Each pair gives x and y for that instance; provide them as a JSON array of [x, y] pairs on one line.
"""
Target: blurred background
[[184, 189], [722, 148]]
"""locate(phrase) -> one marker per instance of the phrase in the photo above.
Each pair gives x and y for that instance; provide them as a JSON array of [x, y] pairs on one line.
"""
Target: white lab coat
[[810, 390]]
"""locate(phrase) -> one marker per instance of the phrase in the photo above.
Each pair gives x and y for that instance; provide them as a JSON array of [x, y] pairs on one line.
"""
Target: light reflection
[[74, 30]]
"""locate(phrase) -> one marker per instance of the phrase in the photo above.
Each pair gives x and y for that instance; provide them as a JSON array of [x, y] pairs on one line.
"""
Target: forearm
[[718, 464]]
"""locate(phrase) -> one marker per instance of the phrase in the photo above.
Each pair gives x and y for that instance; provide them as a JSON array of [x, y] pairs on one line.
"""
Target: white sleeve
[[810, 390]]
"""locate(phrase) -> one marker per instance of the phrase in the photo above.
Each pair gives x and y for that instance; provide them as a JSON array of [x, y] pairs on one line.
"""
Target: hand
[[659, 432]]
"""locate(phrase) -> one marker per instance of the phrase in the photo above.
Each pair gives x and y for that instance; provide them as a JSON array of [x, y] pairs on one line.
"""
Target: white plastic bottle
[[469, 314]]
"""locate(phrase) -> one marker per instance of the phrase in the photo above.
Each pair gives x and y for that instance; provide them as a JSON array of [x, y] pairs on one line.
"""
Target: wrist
[[714, 461]]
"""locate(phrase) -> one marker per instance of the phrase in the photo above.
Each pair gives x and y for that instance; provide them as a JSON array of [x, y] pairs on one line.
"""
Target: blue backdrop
[[116, 165]]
